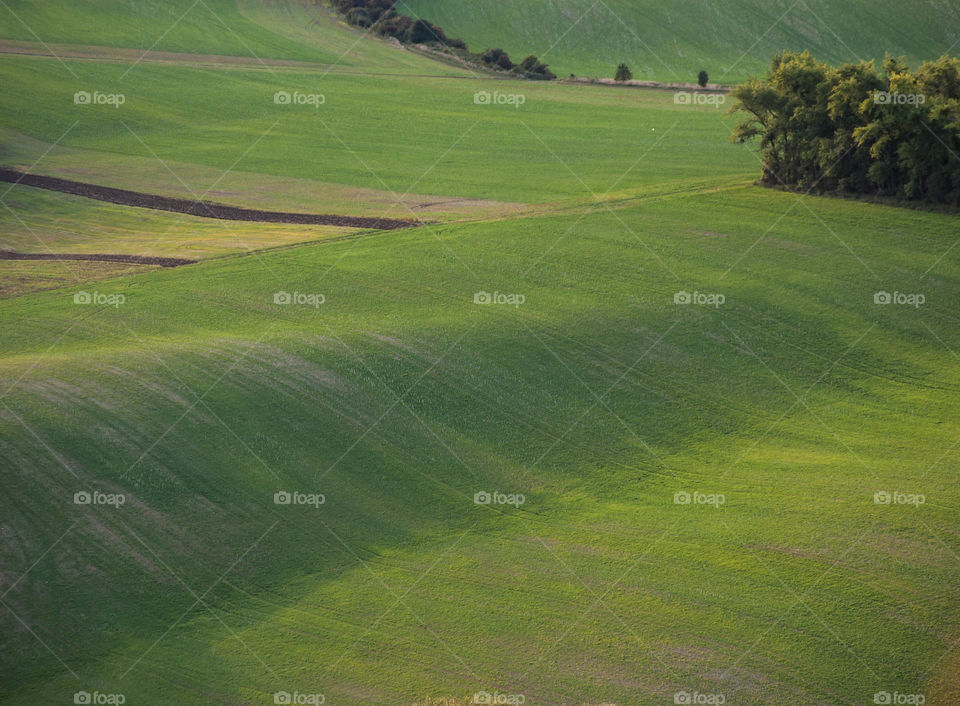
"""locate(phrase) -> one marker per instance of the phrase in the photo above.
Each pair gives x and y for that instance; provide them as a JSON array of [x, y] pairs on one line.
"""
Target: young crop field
[[607, 423], [672, 41]]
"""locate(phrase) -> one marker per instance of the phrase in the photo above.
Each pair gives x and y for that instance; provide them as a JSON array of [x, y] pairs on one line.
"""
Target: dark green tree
[[848, 129]]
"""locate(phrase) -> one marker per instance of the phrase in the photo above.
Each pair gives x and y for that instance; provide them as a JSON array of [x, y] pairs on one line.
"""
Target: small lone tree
[[623, 73], [702, 78]]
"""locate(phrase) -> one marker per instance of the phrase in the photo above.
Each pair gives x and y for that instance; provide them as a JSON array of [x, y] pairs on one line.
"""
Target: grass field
[[695, 495], [673, 41]]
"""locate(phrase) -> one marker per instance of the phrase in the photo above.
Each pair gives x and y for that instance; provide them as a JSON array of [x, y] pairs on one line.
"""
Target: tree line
[[380, 17], [853, 130]]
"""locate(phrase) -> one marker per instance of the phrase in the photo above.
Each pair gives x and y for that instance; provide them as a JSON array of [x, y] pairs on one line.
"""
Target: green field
[[588, 386], [670, 42]]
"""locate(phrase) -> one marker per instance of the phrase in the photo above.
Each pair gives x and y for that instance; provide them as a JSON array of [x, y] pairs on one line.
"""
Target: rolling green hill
[[752, 494], [208, 27], [672, 41]]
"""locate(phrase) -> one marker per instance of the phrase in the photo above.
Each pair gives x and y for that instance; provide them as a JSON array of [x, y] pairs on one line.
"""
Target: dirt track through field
[[98, 257], [203, 209]]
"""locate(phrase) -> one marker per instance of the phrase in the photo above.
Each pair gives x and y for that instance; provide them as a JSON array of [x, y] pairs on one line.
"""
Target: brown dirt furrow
[[97, 257], [204, 209]]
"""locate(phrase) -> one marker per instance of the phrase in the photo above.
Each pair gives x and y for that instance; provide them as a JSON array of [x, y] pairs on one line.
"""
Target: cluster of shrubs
[[380, 16], [387, 22], [852, 130], [531, 66]]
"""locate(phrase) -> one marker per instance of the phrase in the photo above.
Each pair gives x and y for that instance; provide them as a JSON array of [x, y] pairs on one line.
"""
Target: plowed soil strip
[[195, 208], [97, 257]]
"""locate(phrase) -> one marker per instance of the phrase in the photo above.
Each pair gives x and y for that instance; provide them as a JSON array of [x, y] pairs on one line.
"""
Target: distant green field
[[209, 27], [589, 216], [672, 41], [401, 134]]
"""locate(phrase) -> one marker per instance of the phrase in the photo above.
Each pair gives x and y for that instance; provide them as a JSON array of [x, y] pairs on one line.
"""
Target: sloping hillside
[[613, 426], [672, 41]]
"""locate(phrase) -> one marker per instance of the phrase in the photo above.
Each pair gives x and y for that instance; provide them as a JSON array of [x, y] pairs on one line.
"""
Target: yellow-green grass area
[[40, 221], [22, 276], [599, 398], [720, 430], [235, 187]]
